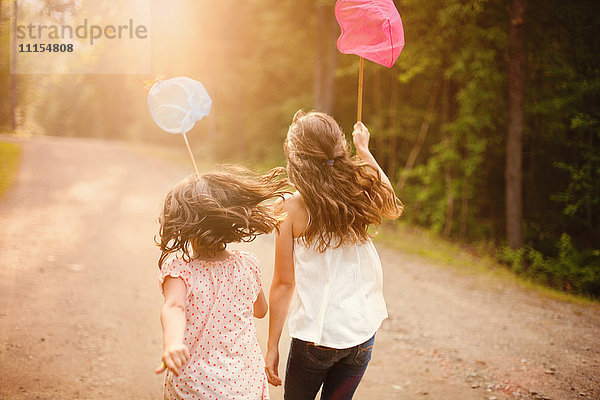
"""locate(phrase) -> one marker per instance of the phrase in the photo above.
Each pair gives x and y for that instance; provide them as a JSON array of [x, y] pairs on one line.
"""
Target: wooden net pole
[[360, 89], [187, 144]]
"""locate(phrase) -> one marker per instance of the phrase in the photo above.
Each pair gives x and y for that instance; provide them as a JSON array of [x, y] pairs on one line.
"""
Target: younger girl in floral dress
[[212, 293]]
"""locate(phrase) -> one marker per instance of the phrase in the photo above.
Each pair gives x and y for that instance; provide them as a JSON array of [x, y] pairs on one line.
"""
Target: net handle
[[187, 144], [360, 89]]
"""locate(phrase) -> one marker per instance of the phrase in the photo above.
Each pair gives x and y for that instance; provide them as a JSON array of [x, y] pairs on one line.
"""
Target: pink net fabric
[[370, 29]]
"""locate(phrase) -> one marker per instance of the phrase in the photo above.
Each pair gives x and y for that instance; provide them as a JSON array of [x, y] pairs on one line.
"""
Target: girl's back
[[226, 360], [338, 298]]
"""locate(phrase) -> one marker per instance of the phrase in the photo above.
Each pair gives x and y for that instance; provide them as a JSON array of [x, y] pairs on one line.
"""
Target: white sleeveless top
[[338, 301]]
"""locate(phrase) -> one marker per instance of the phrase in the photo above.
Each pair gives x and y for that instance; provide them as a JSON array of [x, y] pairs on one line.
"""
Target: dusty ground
[[79, 301]]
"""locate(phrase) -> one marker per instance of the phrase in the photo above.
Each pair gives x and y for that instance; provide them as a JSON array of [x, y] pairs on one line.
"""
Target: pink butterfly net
[[370, 29]]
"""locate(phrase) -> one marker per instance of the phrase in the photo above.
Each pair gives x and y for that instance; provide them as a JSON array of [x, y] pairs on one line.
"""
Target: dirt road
[[79, 301]]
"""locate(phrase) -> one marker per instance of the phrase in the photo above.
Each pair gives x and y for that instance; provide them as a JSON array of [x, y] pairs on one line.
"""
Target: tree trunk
[[378, 124], [393, 114], [13, 70], [514, 143], [446, 115], [414, 153], [464, 209], [326, 59]]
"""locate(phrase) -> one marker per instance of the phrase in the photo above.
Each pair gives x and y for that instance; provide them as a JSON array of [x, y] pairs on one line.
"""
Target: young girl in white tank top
[[325, 259]]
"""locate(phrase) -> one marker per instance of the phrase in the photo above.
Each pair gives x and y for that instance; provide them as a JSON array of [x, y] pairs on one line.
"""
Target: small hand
[[361, 136], [175, 357], [161, 369], [272, 367]]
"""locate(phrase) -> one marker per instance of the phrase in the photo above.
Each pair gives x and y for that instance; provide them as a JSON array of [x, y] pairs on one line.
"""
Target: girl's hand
[[272, 366], [175, 357], [361, 136]]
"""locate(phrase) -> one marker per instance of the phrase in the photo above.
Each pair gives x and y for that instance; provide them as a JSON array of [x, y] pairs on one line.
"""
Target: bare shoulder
[[295, 208], [293, 203]]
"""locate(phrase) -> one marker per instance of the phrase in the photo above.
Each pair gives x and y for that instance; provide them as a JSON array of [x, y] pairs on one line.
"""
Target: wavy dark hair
[[343, 195], [201, 215]]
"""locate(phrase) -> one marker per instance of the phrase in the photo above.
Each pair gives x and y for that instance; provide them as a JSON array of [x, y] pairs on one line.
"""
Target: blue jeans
[[339, 371]]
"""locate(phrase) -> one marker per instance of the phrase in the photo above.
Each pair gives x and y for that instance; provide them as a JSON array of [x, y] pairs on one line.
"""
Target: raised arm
[[280, 295], [361, 136]]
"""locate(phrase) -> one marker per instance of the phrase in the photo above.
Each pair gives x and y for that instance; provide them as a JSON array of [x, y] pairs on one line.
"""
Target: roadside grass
[[10, 155], [467, 260]]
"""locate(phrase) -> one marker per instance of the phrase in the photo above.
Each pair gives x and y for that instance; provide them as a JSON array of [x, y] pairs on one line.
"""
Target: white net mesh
[[176, 104]]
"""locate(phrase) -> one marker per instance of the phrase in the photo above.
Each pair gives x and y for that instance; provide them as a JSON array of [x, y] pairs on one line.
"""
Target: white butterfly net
[[178, 103]]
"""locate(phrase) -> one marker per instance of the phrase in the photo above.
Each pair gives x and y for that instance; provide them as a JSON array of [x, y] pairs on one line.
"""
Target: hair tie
[[328, 162]]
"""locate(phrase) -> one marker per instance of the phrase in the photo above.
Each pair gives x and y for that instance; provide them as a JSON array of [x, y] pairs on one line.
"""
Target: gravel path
[[79, 301]]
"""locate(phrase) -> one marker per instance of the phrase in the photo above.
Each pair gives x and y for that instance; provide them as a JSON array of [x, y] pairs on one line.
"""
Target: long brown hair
[[343, 195], [203, 214]]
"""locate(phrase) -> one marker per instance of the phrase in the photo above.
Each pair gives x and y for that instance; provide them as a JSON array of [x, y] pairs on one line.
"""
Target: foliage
[[448, 92], [5, 81], [446, 189], [10, 155], [570, 269], [562, 164]]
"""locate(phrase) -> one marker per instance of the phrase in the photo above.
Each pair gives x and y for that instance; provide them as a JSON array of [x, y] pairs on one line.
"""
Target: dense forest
[[488, 124]]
